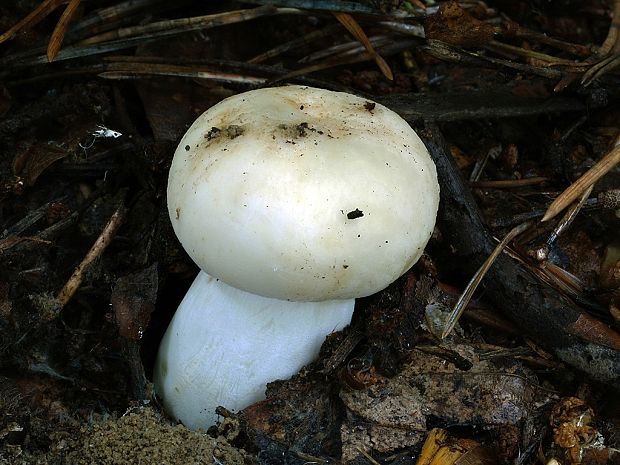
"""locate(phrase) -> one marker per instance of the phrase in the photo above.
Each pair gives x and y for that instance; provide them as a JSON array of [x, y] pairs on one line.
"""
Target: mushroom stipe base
[[224, 345]]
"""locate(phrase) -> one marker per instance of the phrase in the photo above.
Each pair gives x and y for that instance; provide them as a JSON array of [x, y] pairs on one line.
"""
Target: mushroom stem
[[224, 345]]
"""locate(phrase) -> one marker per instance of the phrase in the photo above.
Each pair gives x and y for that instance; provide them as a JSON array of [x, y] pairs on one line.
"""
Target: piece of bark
[[133, 301], [541, 311], [490, 103], [395, 413]]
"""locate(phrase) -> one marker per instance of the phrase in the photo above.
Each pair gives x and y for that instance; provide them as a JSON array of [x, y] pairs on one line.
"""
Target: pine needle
[[61, 27], [573, 191], [356, 31]]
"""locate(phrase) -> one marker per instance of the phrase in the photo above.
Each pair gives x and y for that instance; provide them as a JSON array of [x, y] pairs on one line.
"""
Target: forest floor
[[516, 100]]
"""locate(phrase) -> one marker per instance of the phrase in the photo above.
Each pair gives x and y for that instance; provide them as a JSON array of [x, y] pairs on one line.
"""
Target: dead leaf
[[133, 300], [31, 163], [454, 25]]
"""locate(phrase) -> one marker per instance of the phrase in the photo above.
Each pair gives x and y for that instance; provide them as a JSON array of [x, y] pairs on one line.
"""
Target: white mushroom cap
[[303, 194]]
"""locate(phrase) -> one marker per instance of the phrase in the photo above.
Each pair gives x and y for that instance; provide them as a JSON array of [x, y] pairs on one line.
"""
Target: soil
[[141, 435]]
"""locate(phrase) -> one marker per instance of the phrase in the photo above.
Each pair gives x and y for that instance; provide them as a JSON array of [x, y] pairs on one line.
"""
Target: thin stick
[[95, 251], [471, 287], [573, 191], [508, 183]]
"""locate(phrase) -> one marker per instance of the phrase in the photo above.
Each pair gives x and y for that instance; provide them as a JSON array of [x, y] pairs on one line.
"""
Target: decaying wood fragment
[[540, 310], [474, 105], [396, 412]]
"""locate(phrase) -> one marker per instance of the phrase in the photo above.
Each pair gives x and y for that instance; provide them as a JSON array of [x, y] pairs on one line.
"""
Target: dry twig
[[95, 251], [508, 183]]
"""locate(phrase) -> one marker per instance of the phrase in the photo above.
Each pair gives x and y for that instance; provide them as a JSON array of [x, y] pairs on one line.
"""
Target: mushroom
[[293, 201]]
